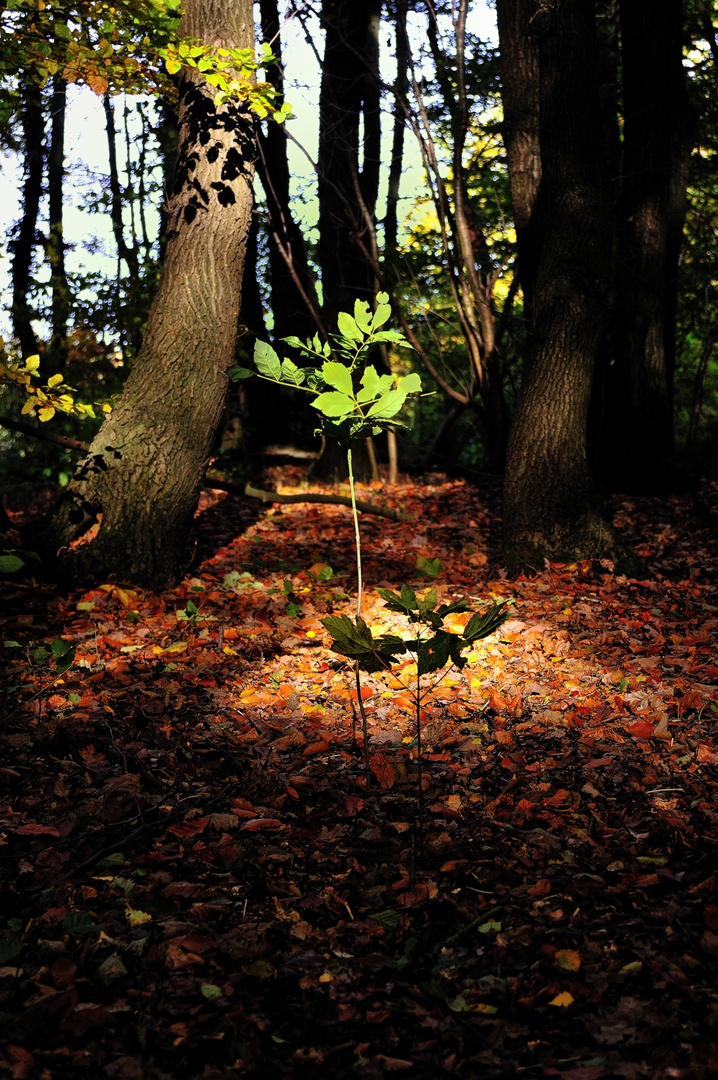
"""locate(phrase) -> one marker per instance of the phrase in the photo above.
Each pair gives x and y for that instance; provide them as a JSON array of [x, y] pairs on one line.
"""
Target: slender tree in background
[[24, 241], [636, 443], [551, 507], [59, 286], [520, 130], [348, 181], [142, 475]]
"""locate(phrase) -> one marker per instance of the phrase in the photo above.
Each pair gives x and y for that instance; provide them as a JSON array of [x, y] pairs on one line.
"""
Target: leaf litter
[[197, 882]]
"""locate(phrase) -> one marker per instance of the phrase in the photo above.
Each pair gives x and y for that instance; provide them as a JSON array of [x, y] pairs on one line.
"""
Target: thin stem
[[418, 752], [356, 531], [357, 676]]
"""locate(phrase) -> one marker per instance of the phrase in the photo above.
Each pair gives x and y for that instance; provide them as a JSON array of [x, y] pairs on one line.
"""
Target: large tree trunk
[[348, 179], [23, 244], [144, 470], [636, 449], [347, 189], [551, 509]]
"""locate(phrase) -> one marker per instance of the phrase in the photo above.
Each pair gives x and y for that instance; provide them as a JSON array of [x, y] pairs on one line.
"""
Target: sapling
[[435, 649], [354, 401]]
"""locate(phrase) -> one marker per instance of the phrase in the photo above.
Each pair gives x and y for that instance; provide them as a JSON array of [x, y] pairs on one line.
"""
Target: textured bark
[[60, 300], [518, 46], [294, 298], [23, 244], [348, 186], [145, 468], [551, 508], [637, 448]]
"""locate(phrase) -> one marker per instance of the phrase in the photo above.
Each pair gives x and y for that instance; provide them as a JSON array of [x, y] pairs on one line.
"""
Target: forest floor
[[198, 883]]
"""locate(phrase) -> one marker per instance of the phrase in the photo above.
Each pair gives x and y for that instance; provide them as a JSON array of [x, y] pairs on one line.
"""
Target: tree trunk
[[637, 448], [59, 285], [23, 244], [294, 298], [347, 188], [142, 475], [551, 508], [518, 47], [348, 180]]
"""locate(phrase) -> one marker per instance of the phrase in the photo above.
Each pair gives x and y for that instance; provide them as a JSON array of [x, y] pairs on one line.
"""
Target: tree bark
[[349, 94], [636, 452], [142, 475], [59, 285], [551, 508], [519, 55], [23, 244]]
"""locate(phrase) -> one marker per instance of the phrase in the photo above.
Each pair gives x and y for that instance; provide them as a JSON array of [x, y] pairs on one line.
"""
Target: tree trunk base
[[591, 539]]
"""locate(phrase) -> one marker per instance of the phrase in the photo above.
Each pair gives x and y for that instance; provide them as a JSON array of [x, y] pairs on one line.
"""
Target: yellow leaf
[[127, 597], [54, 380], [634, 968], [484, 1008], [32, 363], [568, 959], [46, 413], [177, 647], [562, 1000], [28, 407], [135, 917]]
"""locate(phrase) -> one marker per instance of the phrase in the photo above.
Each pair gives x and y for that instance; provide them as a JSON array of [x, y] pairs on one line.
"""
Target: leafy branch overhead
[[352, 398]]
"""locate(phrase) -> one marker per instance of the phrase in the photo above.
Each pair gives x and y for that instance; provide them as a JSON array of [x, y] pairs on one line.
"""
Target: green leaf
[[237, 373], [210, 991], [292, 374], [383, 311], [428, 602], [435, 653], [388, 405], [388, 919], [373, 384], [334, 404], [362, 313], [79, 923], [406, 603], [10, 947], [348, 328], [267, 361], [10, 564], [356, 641], [430, 567], [480, 626], [61, 648], [338, 376], [410, 384]]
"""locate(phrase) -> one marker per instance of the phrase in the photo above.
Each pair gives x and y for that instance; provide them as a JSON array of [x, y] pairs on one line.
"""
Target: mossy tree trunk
[[142, 475]]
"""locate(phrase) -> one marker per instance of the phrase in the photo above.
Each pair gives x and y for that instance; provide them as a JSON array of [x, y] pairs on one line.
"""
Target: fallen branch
[[329, 500], [223, 485]]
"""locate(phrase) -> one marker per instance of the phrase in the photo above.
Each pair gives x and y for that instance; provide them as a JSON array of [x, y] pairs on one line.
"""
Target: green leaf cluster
[[352, 398], [354, 638]]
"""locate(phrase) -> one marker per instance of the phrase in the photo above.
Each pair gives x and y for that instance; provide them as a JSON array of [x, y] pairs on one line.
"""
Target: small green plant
[[10, 560], [435, 648], [61, 652], [354, 401]]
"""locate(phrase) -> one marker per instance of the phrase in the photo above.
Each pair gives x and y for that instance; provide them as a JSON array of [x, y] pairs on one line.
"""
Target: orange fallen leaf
[[568, 959]]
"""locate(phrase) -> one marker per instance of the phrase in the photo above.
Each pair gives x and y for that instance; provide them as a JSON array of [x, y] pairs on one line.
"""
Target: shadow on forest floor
[[196, 881]]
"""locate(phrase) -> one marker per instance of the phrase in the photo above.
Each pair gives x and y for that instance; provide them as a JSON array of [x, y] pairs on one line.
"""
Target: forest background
[[228, 844], [569, 170]]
